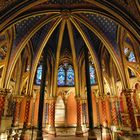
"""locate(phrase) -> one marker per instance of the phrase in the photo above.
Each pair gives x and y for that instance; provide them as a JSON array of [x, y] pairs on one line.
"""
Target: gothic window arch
[[65, 75], [70, 76], [92, 75], [61, 76], [39, 74], [129, 54]]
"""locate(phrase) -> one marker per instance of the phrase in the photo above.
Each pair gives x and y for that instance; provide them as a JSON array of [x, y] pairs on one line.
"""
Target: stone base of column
[[22, 136], [79, 131], [91, 135], [52, 130], [26, 125], [16, 124], [39, 135]]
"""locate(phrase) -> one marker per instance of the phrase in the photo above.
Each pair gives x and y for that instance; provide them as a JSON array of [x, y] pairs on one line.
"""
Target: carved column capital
[[18, 98], [127, 92], [113, 98], [4, 91], [51, 100]]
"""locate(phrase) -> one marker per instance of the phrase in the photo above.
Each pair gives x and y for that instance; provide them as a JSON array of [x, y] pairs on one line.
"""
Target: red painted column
[[94, 106], [51, 128], [108, 111], [2, 101], [36, 107], [79, 117], [135, 101], [121, 104], [130, 109], [27, 110], [104, 111], [114, 111], [15, 121], [3, 94], [100, 111]]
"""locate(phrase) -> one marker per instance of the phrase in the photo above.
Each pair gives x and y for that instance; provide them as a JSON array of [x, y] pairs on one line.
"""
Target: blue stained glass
[[61, 76], [70, 76], [39, 75], [92, 75], [131, 57]]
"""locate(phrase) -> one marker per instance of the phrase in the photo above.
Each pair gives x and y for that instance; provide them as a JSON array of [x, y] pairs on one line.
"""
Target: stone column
[[114, 111], [108, 110], [2, 101], [51, 128], [98, 112], [27, 110], [65, 112], [79, 117], [84, 112], [15, 121], [89, 97], [3, 94], [130, 109], [104, 111], [42, 94]]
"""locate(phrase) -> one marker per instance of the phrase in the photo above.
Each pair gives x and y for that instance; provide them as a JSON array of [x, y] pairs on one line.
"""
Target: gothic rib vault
[[110, 31]]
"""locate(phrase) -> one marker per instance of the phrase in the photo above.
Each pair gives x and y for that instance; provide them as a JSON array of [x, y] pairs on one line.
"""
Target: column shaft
[[2, 101], [114, 113], [51, 128], [79, 117], [89, 97], [130, 110], [42, 90], [16, 114], [27, 110]]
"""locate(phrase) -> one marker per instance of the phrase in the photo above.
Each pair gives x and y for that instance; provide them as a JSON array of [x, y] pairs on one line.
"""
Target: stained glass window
[[92, 75], [126, 50], [39, 75], [131, 57], [61, 76], [70, 76], [65, 75]]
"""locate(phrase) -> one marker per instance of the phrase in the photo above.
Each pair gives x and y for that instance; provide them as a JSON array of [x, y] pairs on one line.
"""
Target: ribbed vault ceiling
[[104, 25]]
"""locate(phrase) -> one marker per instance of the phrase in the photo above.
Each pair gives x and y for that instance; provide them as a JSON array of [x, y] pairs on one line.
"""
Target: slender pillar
[[98, 111], [42, 93], [27, 110], [89, 97], [130, 109], [114, 111], [51, 128], [79, 118], [65, 112], [2, 101], [3, 94], [15, 121], [104, 112], [108, 111], [84, 112]]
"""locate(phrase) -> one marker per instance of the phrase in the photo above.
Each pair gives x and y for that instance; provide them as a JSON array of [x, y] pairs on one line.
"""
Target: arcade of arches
[[70, 64]]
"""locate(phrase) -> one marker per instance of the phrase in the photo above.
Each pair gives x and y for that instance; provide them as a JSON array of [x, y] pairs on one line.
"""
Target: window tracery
[[92, 75], [39, 75], [65, 75], [129, 55]]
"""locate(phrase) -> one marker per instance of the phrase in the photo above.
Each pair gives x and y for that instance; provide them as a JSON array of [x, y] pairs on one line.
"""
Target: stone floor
[[61, 133]]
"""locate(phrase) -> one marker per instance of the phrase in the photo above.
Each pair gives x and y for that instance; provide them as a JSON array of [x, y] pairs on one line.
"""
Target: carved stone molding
[[4, 91]]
